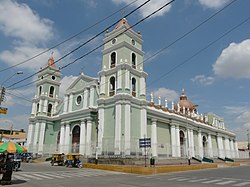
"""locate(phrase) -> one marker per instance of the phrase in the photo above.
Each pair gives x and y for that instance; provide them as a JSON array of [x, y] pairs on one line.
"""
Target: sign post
[[144, 143]]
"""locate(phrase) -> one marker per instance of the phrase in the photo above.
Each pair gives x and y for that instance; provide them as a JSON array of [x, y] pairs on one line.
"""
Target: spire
[[122, 22], [51, 61], [183, 95]]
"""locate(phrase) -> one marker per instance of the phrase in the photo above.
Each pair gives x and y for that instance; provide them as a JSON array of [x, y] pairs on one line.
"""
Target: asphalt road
[[42, 174]]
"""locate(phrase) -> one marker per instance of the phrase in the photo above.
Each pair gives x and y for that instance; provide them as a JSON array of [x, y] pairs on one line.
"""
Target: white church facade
[[108, 115]]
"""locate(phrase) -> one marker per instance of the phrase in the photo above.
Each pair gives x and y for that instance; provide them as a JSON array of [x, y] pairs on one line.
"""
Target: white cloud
[[213, 4], [149, 7], [234, 61], [18, 20], [203, 80], [18, 122], [165, 93], [65, 83]]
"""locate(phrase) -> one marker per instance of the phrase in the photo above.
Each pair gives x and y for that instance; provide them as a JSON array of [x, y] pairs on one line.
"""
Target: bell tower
[[122, 89]]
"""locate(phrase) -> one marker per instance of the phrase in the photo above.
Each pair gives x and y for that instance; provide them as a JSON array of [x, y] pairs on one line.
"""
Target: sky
[[202, 46]]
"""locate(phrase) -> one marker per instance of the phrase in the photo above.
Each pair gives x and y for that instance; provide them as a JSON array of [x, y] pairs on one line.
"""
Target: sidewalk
[[161, 168]]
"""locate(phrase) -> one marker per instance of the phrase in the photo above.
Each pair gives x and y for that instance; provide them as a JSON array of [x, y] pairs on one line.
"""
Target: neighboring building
[[109, 114], [18, 136]]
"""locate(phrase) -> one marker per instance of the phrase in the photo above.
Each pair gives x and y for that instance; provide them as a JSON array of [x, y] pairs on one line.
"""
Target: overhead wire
[[69, 38], [89, 40]]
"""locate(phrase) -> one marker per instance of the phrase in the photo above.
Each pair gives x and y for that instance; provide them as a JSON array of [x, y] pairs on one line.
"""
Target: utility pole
[[248, 145], [2, 95]]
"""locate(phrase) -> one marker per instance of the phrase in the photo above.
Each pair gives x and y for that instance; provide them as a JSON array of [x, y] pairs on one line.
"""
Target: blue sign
[[144, 142]]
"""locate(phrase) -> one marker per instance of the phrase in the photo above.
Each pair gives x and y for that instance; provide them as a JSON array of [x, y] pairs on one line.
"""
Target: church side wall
[[163, 139]]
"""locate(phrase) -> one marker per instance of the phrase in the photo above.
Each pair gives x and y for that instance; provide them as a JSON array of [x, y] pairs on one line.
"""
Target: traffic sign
[[3, 110], [144, 142]]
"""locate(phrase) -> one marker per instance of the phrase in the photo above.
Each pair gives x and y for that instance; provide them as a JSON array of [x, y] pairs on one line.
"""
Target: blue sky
[[216, 79]]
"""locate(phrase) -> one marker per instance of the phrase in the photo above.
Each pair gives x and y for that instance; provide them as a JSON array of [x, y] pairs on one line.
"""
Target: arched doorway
[[75, 139], [182, 143], [58, 140], [204, 144]]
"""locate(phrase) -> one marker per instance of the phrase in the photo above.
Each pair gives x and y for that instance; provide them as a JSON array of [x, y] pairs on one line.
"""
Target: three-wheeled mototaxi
[[73, 160], [57, 158]]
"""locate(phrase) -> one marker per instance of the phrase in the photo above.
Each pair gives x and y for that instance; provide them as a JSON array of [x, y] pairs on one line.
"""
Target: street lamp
[[17, 73], [2, 88]]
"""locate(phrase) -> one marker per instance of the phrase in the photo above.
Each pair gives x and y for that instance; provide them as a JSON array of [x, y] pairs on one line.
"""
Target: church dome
[[184, 102]]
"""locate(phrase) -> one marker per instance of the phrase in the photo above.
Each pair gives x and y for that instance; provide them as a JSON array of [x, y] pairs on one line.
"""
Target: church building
[[109, 115]]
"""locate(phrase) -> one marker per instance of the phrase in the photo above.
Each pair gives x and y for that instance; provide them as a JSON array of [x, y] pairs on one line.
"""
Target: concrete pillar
[[236, 149], [227, 148], [143, 122], [142, 86], [232, 151], [100, 128], [62, 138], [85, 98], [220, 146], [92, 96], [30, 133], [173, 140], [67, 138], [88, 137], [200, 144], [127, 129], [70, 103], [154, 138], [118, 128], [102, 85], [178, 145], [82, 138], [210, 148], [65, 102], [41, 137]]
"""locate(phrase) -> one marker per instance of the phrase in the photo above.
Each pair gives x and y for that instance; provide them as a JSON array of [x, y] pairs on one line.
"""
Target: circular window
[[113, 41], [53, 77], [133, 42], [78, 100]]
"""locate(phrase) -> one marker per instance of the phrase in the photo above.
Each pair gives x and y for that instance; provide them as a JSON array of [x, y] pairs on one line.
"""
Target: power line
[[68, 39], [91, 51], [89, 40]]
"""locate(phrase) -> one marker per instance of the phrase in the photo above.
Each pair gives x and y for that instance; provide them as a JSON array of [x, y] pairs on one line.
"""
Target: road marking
[[53, 175], [211, 181], [20, 178], [225, 182], [175, 178], [42, 176], [242, 184], [184, 179], [30, 176], [197, 180]]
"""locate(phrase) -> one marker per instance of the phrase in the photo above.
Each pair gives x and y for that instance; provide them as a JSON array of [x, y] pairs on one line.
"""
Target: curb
[[160, 169]]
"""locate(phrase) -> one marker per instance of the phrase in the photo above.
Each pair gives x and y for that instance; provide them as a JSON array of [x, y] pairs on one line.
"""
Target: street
[[43, 174]]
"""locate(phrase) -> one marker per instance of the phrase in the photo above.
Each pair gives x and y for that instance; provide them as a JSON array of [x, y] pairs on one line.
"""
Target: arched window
[[75, 139], [113, 60], [40, 91], [37, 108], [51, 91], [49, 110], [133, 61], [112, 86], [134, 87]]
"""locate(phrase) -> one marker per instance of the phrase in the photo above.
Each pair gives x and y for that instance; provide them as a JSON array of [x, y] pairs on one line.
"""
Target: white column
[[227, 148], [143, 123], [142, 86], [210, 148], [102, 85], [178, 145], [70, 103], [154, 138], [91, 97], [192, 142], [232, 149], [33, 111], [30, 133], [100, 128], [189, 147], [67, 138], [127, 82], [35, 141], [54, 107], [119, 79], [45, 106], [127, 129], [41, 137], [220, 147], [88, 137], [85, 98], [40, 106], [200, 144], [62, 138], [173, 140], [236, 149], [118, 128], [65, 104], [82, 138]]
